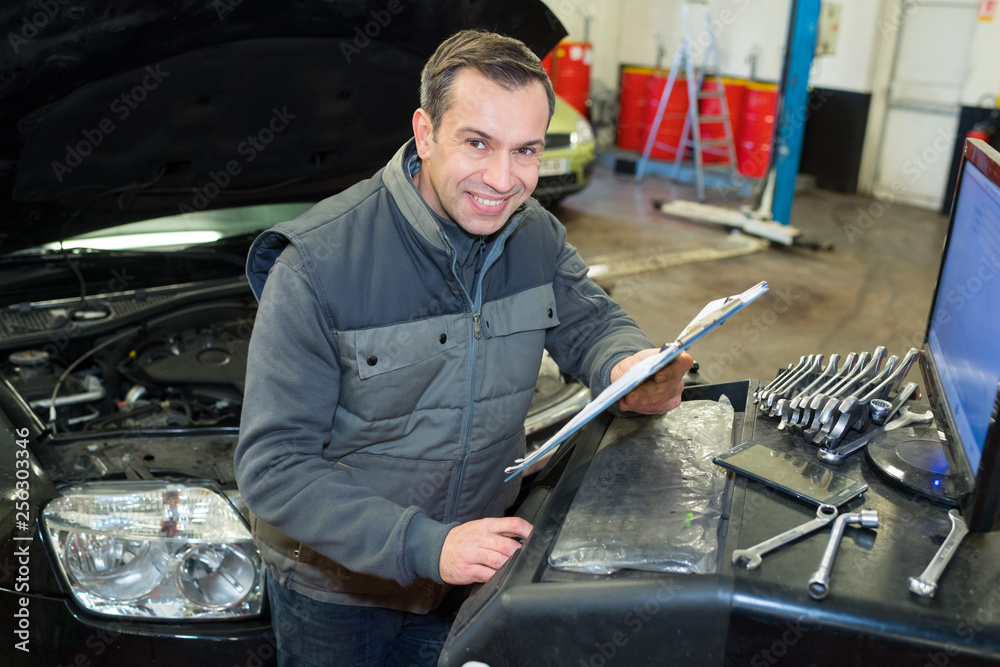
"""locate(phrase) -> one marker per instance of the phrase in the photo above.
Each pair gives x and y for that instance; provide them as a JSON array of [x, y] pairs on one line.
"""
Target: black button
[[372, 360], [550, 312], [443, 338]]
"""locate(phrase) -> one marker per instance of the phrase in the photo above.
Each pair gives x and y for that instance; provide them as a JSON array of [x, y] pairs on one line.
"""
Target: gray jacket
[[384, 397]]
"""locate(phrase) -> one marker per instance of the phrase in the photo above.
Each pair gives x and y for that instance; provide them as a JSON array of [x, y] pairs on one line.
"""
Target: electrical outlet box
[[828, 28]]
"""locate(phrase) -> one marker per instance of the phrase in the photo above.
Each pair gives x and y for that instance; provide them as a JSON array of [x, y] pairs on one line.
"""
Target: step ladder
[[691, 133]]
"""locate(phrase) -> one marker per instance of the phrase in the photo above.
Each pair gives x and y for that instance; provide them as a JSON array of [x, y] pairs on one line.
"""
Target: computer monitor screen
[[962, 335]]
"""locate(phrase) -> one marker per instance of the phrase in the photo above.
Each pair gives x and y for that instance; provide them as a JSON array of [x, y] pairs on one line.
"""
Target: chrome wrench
[[809, 417], [777, 378], [784, 406], [768, 398], [819, 583], [837, 456], [752, 557], [792, 416], [926, 584], [823, 416], [906, 417]]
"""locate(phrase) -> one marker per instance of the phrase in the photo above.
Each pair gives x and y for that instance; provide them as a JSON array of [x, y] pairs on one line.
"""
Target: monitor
[[961, 351]]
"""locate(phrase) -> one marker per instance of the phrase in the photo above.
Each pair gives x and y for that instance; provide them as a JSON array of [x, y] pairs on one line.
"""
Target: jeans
[[313, 634]]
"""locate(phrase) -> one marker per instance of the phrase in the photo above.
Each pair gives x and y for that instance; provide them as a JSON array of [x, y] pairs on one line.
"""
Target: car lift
[[770, 219]]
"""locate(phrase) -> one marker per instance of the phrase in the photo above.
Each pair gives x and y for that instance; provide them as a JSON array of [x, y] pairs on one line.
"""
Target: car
[[569, 155], [143, 150]]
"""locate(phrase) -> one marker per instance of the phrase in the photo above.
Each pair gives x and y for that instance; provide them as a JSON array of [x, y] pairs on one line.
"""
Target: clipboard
[[712, 315]]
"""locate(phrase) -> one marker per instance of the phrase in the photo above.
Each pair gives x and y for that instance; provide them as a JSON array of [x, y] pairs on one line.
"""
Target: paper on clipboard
[[712, 315]]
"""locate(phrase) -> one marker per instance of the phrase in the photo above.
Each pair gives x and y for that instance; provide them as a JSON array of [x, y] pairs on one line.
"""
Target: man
[[393, 360]]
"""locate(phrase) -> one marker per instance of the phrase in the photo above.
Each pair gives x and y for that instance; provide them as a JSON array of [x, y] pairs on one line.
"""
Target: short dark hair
[[505, 61]]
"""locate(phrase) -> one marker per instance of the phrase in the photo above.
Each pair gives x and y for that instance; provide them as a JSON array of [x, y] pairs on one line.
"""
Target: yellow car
[[568, 160]]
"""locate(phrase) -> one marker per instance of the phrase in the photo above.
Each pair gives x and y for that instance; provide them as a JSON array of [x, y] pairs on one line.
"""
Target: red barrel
[[756, 134], [712, 106], [668, 138], [572, 65], [632, 101]]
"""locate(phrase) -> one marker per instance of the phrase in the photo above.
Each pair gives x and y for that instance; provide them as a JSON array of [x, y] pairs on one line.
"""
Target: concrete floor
[[874, 287]]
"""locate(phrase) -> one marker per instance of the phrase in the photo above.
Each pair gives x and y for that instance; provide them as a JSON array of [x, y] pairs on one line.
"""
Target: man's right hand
[[474, 551]]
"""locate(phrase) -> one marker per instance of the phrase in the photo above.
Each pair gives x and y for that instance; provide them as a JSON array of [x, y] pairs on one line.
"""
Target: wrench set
[[825, 404]]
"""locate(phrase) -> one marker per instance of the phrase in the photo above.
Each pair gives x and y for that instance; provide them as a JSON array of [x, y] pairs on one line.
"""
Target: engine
[[178, 378]]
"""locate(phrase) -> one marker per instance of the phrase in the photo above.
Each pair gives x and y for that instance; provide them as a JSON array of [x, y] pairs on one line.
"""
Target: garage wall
[[851, 84], [983, 79], [630, 31]]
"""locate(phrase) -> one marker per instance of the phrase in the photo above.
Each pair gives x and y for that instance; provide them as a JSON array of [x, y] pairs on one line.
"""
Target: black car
[[142, 147]]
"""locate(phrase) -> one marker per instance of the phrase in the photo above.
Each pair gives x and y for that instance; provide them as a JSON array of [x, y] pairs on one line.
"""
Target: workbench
[[531, 613]]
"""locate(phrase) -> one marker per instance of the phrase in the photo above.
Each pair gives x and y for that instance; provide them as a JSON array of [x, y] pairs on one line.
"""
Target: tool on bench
[[819, 583], [783, 406], [752, 557], [926, 584], [837, 455], [853, 411], [793, 413]]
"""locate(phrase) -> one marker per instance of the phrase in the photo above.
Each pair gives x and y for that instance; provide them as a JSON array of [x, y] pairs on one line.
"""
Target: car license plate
[[554, 167]]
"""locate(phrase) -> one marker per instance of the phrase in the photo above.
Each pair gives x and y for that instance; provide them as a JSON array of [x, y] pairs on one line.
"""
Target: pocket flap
[[397, 346], [529, 310]]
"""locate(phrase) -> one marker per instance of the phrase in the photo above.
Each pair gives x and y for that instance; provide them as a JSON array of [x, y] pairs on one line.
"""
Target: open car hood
[[112, 112]]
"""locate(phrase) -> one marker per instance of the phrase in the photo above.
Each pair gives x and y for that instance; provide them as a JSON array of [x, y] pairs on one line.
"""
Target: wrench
[[906, 417], [819, 583], [852, 412], [752, 557], [809, 417], [926, 584], [792, 416], [837, 456], [824, 406], [783, 408], [782, 373], [767, 398], [779, 379]]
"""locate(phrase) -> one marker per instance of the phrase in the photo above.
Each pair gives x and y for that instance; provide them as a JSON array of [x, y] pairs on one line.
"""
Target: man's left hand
[[660, 393]]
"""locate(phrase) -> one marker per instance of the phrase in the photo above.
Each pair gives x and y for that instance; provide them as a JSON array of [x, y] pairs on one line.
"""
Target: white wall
[[629, 31], [983, 78], [852, 66]]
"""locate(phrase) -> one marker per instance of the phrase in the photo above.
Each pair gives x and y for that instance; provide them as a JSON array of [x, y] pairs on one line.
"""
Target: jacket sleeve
[[292, 391], [593, 333]]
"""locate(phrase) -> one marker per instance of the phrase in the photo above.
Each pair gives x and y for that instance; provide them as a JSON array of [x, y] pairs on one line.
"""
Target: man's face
[[481, 163]]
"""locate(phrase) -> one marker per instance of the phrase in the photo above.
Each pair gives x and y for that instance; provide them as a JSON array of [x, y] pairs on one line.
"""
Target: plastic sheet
[[651, 498]]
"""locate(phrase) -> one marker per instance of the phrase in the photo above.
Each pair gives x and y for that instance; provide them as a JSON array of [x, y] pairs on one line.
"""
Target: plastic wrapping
[[651, 498]]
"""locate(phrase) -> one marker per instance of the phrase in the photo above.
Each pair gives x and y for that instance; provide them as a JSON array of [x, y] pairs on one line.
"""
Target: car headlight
[[154, 550], [583, 132]]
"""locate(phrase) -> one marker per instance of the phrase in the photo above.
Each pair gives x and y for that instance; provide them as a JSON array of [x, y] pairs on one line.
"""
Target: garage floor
[[873, 288]]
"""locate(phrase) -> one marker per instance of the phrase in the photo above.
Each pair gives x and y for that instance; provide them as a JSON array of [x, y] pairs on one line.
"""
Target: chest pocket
[[386, 349], [531, 310]]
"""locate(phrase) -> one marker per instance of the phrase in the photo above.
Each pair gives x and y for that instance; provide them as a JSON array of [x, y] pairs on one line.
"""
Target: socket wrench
[[819, 583], [926, 584], [752, 557]]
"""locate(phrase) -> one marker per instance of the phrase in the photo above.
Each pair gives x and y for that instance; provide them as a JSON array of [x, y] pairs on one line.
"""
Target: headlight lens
[[583, 132], [155, 550]]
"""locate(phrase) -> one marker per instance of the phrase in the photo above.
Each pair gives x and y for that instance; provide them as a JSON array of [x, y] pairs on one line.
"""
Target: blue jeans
[[313, 634]]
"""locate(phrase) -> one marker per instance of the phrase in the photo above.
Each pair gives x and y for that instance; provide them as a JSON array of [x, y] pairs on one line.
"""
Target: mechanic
[[393, 360]]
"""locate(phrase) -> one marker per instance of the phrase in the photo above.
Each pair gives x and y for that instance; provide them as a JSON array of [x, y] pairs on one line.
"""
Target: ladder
[[691, 133]]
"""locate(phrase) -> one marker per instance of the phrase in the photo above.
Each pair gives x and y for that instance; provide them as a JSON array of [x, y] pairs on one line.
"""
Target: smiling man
[[393, 360]]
